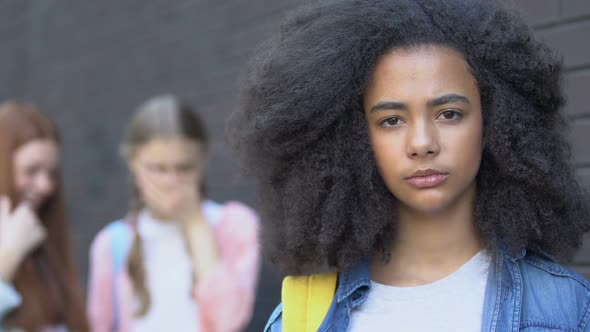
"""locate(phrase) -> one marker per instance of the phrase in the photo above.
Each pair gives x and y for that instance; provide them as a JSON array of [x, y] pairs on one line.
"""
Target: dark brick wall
[[88, 64]]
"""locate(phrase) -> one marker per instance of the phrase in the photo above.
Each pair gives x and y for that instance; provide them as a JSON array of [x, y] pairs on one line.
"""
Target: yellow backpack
[[306, 301]]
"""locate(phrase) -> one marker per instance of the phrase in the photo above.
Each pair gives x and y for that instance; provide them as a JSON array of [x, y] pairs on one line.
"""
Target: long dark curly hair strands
[[300, 131]]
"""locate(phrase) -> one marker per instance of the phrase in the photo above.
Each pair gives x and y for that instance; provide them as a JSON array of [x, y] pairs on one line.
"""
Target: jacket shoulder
[[554, 293], [275, 322], [541, 266]]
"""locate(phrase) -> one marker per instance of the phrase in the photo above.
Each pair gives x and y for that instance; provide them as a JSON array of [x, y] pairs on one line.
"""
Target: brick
[[570, 40], [582, 269], [575, 8], [583, 255], [577, 91], [583, 175], [580, 136], [539, 11]]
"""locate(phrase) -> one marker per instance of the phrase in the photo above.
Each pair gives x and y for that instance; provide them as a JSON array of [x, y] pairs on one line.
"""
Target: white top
[[454, 303], [9, 298], [169, 274]]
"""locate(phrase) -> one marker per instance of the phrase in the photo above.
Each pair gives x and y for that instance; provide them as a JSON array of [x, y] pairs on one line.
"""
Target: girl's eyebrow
[[448, 98], [389, 105], [444, 99]]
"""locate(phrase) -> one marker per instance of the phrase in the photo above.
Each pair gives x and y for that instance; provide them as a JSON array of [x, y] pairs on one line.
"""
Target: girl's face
[[165, 169], [423, 112], [35, 167]]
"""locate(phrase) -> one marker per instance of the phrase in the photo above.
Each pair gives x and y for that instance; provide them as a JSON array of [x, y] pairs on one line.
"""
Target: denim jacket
[[525, 292]]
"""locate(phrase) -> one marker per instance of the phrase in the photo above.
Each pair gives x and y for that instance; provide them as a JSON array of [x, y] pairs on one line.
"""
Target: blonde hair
[[161, 116]]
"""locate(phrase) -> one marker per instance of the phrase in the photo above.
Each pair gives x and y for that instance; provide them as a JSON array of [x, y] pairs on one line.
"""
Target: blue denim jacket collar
[[504, 284], [354, 281], [358, 278], [524, 290]]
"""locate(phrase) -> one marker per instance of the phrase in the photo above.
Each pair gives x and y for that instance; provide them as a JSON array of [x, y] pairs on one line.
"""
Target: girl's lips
[[427, 181]]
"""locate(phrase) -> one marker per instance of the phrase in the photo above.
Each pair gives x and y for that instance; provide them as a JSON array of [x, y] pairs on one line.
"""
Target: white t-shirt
[[452, 304], [169, 272]]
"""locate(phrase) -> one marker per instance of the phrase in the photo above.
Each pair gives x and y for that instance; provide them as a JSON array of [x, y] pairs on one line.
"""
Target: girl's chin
[[429, 206], [33, 203], [162, 215], [37, 205]]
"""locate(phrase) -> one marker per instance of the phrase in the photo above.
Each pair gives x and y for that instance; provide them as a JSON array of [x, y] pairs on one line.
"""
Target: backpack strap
[[119, 232], [306, 301]]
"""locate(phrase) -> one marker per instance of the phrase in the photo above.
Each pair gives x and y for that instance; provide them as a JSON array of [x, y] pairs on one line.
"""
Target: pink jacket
[[225, 297]]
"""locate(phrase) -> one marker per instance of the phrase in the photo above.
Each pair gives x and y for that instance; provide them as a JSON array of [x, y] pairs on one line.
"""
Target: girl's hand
[[21, 232], [180, 203], [183, 204], [202, 246]]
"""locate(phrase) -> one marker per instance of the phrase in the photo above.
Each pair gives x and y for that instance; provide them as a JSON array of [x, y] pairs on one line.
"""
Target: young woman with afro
[[413, 152]]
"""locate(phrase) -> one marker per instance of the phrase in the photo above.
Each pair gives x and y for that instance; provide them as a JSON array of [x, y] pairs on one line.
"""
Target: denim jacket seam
[[583, 324], [327, 328], [561, 272], [342, 284], [499, 269], [548, 325], [517, 293], [546, 267], [273, 317], [330, 325], [351, 289]]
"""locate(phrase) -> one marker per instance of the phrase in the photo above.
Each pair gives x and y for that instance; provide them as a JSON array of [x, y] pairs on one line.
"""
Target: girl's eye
[[391, 122], [186, 168], [156, 168], [450, 115]]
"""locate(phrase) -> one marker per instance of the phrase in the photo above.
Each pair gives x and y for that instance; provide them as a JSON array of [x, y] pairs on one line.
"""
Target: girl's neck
[[196, 217], [428, 246], [158, 217]]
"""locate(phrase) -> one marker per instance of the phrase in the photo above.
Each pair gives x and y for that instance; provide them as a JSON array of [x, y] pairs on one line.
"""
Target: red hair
[[46, 279]]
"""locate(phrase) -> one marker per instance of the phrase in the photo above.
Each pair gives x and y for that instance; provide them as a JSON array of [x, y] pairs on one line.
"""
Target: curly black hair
[[300, 131]]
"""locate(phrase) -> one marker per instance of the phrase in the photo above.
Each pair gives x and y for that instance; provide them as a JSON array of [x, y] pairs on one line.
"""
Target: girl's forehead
[[170, 149], [427, 71], [40, 151], [431, 59]]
